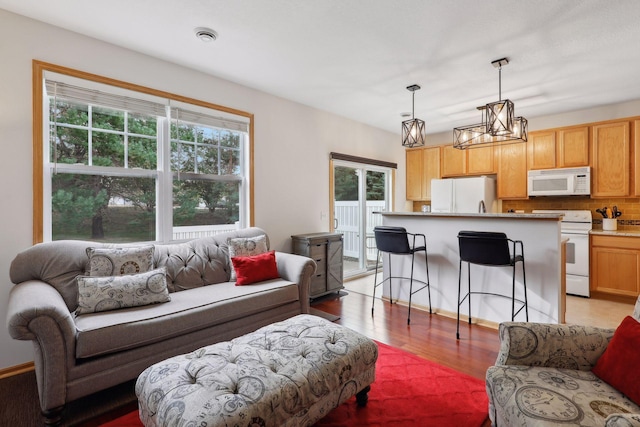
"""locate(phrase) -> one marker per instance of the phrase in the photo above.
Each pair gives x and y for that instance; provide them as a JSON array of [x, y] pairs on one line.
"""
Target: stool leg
[[426, 264], [458, 318], [390, 282], [413, 257], [524, 282], [469, 288], [513, 292], [375, 282]]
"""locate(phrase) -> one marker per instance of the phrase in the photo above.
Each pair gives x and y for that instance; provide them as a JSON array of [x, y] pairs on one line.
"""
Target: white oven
[[575, 227]]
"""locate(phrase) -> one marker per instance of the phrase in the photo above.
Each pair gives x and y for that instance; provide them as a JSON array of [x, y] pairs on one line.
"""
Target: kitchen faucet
[[481, 207]]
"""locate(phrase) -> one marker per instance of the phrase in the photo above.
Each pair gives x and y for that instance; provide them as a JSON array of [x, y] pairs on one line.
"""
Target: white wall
[[292, 141]]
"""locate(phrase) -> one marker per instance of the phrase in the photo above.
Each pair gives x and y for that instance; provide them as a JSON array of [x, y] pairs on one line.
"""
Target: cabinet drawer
[[619, 242], [321, 266], [318, 251]]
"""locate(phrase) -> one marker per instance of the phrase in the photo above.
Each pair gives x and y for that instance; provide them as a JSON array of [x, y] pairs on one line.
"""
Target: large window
[[125, 165]]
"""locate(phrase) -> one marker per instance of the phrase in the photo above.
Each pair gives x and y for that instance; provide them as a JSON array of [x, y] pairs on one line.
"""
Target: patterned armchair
[[543, 377]]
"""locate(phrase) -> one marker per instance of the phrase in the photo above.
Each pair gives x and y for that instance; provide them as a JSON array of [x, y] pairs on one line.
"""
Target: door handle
[[335, 223]]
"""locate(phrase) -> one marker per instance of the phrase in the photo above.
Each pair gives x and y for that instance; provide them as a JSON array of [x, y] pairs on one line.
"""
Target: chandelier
[[413, 132], [498, 126]]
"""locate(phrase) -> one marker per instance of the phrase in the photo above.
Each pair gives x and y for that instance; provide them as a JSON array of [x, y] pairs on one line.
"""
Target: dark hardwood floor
[[430, 336]]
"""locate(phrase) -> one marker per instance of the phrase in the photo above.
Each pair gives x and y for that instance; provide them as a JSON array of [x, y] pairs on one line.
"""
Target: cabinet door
[[610, 153], [431, 169], [414, 169], [541, 150], [573, 147], [636, 170], [512, 171], [615, 271], [480, 161], [454, 161], [334, 265]]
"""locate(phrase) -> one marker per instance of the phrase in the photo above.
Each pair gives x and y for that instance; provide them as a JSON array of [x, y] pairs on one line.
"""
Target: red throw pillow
[[619, 363], [255, 268]]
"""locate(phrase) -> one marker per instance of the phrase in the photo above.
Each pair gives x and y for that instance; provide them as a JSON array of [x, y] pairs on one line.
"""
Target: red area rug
[[408, 391]]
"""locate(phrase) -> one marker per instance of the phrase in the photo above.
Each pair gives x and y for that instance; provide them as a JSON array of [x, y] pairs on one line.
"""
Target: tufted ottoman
[[290, 373]]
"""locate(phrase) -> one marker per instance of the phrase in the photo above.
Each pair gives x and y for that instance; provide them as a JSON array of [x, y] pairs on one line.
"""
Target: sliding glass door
[[359, 191]]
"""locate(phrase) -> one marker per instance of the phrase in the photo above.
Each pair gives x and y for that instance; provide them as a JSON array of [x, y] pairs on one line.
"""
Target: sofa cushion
[[256, 268], [114, 331], [118, 261], [246, 246], [619, 363], [539, 396], [97, 294]]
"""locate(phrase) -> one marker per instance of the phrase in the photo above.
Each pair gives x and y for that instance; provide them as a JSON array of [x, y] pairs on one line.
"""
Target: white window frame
[[164, 181]]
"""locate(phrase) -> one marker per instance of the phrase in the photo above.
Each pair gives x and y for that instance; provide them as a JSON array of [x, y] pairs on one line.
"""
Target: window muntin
[[99, 188]]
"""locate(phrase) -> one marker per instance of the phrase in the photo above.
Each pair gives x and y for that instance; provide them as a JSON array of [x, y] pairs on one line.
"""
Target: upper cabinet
[[454, 161], [558, 148], [423, 165], [573, 147], [636, 163], [610, 154], [541, 150], [512, 171], [474, 161], [414, 174]]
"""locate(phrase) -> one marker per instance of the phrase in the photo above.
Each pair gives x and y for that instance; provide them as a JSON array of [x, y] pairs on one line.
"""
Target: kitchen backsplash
[[630, 207]]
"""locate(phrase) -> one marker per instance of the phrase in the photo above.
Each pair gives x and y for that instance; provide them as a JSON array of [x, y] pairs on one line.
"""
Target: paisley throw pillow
[[97, 294]]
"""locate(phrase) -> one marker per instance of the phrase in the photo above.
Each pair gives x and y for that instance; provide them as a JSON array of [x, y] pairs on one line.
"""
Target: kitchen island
[[544, 262]]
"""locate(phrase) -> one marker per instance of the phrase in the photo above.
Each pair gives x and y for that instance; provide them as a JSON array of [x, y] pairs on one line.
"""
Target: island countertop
[[537, 216]]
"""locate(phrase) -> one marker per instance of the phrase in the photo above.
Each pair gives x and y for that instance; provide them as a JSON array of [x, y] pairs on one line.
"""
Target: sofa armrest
[[623, 420], [298, 269], [552, 345], [37, 312]]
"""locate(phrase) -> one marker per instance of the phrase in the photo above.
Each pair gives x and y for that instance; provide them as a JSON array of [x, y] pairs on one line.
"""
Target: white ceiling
[[356, 57]]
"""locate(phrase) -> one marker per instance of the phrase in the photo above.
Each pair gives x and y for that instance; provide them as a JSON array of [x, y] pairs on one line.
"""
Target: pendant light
[[499, 125], [413, 131]]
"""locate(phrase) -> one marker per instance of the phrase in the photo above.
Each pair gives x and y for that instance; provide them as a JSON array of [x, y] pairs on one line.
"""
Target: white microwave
[[560, 182]]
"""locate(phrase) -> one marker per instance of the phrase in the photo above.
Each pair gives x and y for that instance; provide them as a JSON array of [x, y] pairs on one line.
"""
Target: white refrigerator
[[463, 195]]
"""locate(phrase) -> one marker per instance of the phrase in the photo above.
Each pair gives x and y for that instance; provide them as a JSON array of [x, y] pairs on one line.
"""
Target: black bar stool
[[395, 240], [494, 250]]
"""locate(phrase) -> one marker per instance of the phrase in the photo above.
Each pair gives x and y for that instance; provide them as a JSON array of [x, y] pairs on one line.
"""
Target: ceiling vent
[[206, 34]]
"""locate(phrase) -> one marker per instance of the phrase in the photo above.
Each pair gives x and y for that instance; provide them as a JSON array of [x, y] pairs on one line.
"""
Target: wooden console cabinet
[[326, 250]]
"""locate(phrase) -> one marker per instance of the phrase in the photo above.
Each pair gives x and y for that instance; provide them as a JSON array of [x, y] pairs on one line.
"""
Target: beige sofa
[[543, 377], [76, 355]]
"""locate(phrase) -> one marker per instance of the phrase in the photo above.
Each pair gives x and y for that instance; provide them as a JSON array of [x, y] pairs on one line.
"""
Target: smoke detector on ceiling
[[206, 34]]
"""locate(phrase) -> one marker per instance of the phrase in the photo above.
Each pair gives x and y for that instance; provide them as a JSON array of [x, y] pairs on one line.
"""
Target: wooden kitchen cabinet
[[454, 161], [472, 161], [423, 165], [558, 148], [541, 150], [480, 161], [610, 154], [615, 265], [573, 147], [636, 162], [414, 168], [512, 171], [326, 250]]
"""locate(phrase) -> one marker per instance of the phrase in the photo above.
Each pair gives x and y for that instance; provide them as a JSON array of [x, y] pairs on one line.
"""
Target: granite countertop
[[634, 232], [553, 216]]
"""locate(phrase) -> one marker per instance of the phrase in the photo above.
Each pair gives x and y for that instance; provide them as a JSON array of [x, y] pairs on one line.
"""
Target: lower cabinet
[[615, 265], [326, 250]]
